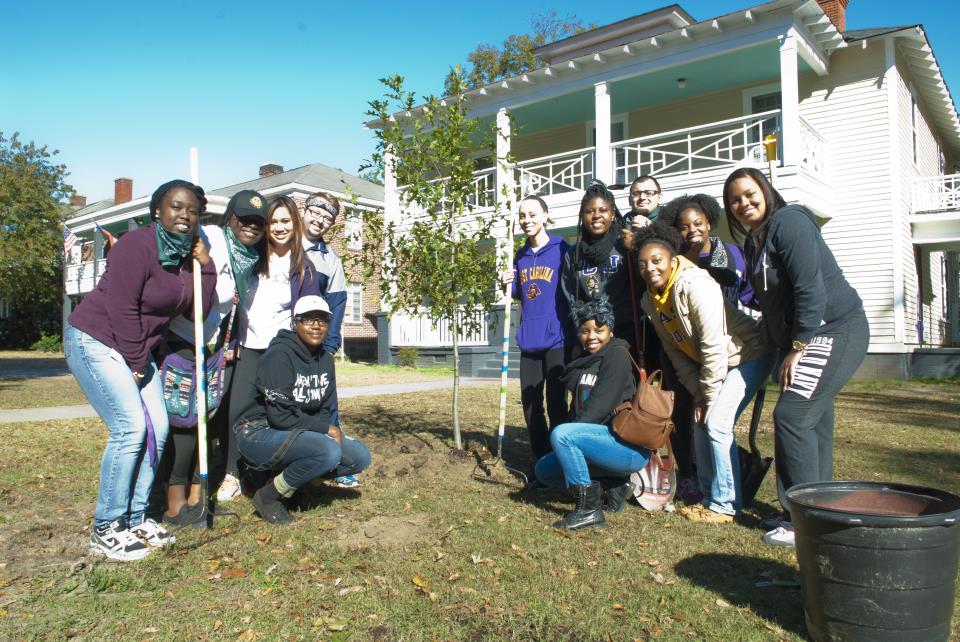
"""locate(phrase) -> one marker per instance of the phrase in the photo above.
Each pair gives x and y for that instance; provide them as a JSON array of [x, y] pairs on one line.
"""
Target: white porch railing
[[813, 148], [936, 193], [483, 192], [83, 277], [693, 149], [417, 330], [556, 174]]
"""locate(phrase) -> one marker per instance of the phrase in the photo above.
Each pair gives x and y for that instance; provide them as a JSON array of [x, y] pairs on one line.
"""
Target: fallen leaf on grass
[[658, 578], [217, 625], [617, 607], [453, 577], [350, 589], [233, 573], [272, 568], [420, 582], [150, 629], [723, 604], [247, 636]]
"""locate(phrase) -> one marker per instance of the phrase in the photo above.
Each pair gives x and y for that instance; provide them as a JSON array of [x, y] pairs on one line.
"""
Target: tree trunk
[[455, 329]]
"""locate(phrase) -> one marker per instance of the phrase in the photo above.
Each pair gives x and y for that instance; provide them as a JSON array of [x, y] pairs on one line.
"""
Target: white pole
[[194, 166]]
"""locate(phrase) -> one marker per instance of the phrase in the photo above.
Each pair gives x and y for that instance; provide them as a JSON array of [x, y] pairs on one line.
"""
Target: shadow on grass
[[918, 411], [936, 468], [390, 423], [735, 577]]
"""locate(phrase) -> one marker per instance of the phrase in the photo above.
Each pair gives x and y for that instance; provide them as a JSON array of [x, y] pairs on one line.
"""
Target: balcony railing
[[417, 330], [936, 193], [556, 174], [483, 193], [813, 148], [722, 144], [82, 277]]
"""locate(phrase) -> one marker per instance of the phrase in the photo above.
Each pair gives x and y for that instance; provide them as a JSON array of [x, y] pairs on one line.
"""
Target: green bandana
[[242, 261], [172, 248]]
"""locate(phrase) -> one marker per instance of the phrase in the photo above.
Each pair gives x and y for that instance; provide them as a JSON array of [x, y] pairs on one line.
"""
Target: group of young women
[[268, 340], [664, 271]]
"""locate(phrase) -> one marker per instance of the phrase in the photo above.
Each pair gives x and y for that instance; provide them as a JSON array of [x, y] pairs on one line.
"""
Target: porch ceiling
[[742, 67]]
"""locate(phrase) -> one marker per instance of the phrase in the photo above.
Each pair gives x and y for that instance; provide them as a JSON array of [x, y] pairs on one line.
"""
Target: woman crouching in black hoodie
[[292, 427], [586, 448]]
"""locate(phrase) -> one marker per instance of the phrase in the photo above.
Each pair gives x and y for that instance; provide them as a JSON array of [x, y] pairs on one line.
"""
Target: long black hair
[[161, 191], [771, 197]]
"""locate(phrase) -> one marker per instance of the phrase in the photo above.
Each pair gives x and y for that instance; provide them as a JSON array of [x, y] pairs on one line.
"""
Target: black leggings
[[539, 369], [804, 415]]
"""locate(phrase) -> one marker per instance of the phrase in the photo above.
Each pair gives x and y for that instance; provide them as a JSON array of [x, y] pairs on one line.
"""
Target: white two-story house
[[868, 138]]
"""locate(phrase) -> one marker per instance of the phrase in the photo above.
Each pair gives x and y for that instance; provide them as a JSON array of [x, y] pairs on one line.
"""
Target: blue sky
[[125, 88]]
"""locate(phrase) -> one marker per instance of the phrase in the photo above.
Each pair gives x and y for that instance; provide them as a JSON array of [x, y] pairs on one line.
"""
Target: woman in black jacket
[[293, 429], [586, 448], [597, 265], [811, 314]]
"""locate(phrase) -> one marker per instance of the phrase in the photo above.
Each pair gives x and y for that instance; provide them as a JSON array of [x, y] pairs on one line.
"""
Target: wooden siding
[[935, 324], [849, 109]]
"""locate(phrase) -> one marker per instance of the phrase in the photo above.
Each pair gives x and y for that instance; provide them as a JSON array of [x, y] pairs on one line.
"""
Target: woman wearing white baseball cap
[[293, 431]]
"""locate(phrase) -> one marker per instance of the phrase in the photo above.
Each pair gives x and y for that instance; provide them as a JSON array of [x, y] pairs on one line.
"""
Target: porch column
[[97, 254], [506, 192], [603, 162], [790, 97]]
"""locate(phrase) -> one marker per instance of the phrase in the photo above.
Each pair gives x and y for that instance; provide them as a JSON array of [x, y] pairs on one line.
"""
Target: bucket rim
[[866, 519]]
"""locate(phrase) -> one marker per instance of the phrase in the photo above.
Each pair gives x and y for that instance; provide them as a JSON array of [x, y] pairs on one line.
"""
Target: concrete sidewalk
[[85, 410]]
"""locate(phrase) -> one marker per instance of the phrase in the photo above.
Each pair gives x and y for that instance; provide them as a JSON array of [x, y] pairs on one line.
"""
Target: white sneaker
[[117, 543], [153, 534], [782, 535], [229, 490]]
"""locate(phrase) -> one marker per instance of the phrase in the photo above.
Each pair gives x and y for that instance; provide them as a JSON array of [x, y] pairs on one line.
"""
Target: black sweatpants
[[539, 370], [804, 414], [243, 397]]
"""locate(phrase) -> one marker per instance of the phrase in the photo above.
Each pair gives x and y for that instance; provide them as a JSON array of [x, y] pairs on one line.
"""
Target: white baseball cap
[[312, 303]]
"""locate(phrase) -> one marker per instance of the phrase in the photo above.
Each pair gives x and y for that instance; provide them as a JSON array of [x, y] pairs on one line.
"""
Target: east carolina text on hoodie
[[544, 315], [295, 389]]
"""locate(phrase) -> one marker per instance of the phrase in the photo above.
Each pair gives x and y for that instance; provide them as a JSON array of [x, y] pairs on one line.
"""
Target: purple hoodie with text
[[544, 316]]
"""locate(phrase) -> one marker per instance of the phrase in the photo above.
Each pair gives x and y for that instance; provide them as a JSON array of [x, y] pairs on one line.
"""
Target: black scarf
[[597, 251]]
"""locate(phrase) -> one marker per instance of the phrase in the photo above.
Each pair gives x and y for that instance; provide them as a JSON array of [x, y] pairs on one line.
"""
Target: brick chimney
[[78, 201], [122, 190], [270, 169], [836, 10]]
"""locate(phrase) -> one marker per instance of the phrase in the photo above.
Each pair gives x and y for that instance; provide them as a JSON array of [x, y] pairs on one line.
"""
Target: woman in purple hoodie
[[108, 342], [544, 322]]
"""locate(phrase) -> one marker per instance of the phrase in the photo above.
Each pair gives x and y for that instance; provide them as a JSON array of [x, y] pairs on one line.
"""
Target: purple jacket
[[727, 266], [135, 299], [544, 315]]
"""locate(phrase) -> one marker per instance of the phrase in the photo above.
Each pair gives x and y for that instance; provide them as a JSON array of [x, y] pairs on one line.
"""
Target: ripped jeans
[[302, 455]]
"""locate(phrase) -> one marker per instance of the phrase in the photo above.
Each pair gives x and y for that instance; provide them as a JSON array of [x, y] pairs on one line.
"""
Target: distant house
[[122, 213], [868, 137]]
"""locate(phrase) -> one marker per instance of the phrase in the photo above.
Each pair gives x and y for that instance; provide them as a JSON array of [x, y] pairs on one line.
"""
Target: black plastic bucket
[[878, 561]]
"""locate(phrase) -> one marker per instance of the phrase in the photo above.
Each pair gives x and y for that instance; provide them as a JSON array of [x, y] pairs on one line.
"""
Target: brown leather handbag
[[645, 421]]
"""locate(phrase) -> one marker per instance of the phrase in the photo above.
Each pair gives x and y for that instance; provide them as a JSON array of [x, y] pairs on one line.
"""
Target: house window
[[766, 102], [354, 312], [353, 229], [618, 132], [4, 309]]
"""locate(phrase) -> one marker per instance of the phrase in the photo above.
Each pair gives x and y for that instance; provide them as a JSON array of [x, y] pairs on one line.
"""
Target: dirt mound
[[385, 531]]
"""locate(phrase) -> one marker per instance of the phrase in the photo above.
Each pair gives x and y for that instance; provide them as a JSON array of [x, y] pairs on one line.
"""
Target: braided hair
[[161, 192], [599, 309]]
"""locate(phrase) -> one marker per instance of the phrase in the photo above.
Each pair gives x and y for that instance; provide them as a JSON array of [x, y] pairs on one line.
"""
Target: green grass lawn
[[424, 552], [62, 389]]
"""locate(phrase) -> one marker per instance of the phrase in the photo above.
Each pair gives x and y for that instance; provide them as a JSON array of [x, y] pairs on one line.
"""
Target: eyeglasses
[[313, 321], [649, 193], [320, 214]]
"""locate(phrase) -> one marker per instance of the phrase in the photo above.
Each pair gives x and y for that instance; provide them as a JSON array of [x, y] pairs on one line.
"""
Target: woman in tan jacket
[[720, 355]]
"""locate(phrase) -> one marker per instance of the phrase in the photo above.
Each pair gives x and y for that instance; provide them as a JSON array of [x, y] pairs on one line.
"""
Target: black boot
[[615, 498], [588, 513]]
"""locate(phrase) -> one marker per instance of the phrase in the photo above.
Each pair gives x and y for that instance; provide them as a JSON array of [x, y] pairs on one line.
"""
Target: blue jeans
[[718, 463], [126, 475], [582, 451], [301, 454]]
